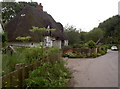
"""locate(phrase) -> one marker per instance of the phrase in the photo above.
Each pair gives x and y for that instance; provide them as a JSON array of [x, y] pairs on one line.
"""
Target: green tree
[[23, 39], [10, 9], [40, 32], [73, 35], [83, 37], [95, 34], [111, 28]]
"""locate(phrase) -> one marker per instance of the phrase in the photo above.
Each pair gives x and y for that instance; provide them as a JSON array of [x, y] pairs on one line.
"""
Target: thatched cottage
[[35, 16]]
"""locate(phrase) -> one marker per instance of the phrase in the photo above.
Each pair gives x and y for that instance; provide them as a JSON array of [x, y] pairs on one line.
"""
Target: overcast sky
[[83, 14]]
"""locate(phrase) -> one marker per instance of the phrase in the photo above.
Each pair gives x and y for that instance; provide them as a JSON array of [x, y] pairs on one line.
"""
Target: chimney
[[40, 6]]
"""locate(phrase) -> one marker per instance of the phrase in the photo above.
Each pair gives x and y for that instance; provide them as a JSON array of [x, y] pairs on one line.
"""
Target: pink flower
[[69, 50]]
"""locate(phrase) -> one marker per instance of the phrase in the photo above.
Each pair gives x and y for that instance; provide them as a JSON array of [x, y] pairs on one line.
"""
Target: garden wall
[[86, 52]]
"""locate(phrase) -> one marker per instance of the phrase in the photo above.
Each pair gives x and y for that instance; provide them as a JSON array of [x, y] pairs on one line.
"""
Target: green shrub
[[49, 75], [94, 55], [91, 44], [33, 54], [79, 55], [103, 49], [77, 46], [84, 46], [70, 54], [98, 54], [73, 55], [67, 47], [53, 54], [102, 52], [110, 45], [26, 56]]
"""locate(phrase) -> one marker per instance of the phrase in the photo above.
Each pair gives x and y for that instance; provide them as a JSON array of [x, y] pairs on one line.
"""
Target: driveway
[[95, 72]]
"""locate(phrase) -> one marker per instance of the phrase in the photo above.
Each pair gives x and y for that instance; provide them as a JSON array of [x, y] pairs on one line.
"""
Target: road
[[95, 72]]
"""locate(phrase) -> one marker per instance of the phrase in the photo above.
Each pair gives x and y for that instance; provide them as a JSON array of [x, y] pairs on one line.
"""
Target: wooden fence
[[16, 78]]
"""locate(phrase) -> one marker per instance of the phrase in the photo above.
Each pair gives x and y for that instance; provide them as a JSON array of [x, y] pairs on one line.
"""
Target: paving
[[94, 72]]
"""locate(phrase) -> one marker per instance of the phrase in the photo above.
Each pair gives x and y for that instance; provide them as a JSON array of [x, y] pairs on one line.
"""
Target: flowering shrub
[[86, 50], [70, 54], [69, 50]]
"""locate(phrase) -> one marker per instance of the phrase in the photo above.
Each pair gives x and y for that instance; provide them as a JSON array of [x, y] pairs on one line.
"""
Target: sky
[[82, 14]]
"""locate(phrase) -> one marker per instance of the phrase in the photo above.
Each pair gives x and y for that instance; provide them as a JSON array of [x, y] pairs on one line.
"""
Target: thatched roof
[[31, 16]]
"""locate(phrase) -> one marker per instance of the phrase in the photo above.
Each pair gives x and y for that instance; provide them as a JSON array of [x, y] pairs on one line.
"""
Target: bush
[[67, 47], [76, 46], [94, 55], [84, 46], [28, 56], [49, 75], [70, 54], [102, 52], [91, 44], [98, 54], [110, 45], [103, 49], [53, 54], [33, 54]]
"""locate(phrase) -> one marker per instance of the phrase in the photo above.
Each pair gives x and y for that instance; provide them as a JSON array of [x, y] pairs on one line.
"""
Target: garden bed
[[51, 73], [84, 52]]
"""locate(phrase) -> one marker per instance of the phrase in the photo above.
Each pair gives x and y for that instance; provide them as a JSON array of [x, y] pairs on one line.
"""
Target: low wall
[[86, 52]]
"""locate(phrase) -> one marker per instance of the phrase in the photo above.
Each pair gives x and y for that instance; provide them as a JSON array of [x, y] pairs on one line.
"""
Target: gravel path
[[95, 72]]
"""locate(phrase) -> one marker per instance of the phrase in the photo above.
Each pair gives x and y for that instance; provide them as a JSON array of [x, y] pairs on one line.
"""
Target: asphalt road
[[95, 72]]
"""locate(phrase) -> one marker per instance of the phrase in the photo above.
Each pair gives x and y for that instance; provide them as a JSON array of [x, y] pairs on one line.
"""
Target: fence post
[[11, 81], [16, 78], [26, 70], [6, 81], [20, 77]]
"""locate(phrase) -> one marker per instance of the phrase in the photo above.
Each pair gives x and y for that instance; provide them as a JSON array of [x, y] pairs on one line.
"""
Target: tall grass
[[27, 56], [23, 55]]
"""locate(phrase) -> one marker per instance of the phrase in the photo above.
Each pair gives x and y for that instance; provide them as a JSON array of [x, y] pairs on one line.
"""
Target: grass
[[9, 62], [23, 55], [52, 73], [27, 56]]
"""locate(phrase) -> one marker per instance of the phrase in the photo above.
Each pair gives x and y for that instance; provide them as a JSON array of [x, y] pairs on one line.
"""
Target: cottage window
[[22, 15]]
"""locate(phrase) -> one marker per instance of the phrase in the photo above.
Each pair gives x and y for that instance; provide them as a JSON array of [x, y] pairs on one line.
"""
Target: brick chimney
[[40, 6]]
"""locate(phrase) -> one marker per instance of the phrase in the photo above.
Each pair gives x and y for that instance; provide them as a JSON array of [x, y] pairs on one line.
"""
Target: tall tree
[[10, 9], [95, 34], [73, 35], [111, 27], [83, 36]]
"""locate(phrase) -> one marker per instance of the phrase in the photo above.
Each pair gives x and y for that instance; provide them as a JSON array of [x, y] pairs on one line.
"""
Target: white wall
[[23, 44], [48, 41], [57, 43], [65, 42]]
